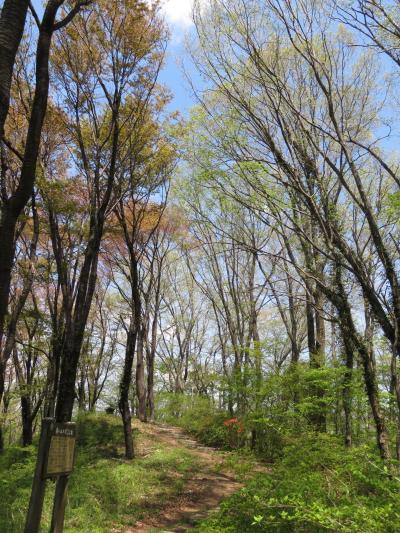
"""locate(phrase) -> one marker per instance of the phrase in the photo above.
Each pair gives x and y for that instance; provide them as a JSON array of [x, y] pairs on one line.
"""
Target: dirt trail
[[203, 490]]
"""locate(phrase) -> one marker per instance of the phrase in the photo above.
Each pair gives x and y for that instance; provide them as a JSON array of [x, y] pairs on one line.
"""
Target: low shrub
[[195, 414], [99, 429], [316, 486]]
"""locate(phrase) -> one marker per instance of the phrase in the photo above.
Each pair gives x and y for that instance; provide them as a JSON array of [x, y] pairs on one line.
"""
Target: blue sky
[[178, 17]]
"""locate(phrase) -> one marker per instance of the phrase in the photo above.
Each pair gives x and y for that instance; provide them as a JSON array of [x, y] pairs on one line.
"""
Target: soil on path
[[203, 490]]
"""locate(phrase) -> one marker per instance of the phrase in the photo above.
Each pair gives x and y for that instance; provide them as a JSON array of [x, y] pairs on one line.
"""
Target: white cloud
[[179, 12]]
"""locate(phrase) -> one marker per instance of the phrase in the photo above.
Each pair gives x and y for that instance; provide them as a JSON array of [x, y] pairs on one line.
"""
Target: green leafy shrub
[[195, 414], [317, 486], [99, 429]]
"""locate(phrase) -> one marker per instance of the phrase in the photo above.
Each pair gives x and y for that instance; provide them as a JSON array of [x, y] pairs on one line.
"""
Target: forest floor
[[173, 484], [211, 480]]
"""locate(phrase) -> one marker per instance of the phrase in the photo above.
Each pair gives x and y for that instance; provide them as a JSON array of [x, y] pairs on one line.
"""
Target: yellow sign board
[[61, 451]]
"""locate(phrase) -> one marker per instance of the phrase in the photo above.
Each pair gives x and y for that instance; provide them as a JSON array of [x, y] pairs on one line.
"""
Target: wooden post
[[39, 482], [60, 500]]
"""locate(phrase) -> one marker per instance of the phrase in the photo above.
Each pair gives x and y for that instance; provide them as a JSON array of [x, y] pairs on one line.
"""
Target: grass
[[106, 493], [242, 463]]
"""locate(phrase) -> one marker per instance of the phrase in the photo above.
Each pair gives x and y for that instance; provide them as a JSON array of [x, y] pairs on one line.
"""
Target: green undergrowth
[[106, 492], [317, 486], [242, 463], [196, 415], [314, 484], [308, 482]]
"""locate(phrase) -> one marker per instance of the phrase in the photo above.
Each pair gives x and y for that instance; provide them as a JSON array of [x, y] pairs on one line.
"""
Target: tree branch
[[74, 11], [34, 14]]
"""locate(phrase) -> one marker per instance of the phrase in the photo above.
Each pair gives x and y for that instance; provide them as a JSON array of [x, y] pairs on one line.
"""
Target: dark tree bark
[[76, 322], [140, 377], [347, 390], [349, 354], [133, 335], [356, 345], [395, 391], [26, 414], [317, 357], [151, 354], [12, 23], [124, 407]]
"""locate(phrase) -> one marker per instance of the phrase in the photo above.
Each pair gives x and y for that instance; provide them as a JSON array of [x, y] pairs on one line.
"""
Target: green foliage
[[316, 486], [275, 410], [241, 462], [393, 205], [16, 468], [195, 414], [99, 430]]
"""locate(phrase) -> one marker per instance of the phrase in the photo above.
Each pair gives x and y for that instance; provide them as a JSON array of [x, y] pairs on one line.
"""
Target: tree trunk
[[318, 360], [2, 397], [151, 353], [140, 378], [7, 246], [295, 348], [373, 396], [81, 393], [347, 389], [150, 389], [12, 23], [395, 391], [49, 403], [316, 342], [124, 407], [27, 419], [354, 344]]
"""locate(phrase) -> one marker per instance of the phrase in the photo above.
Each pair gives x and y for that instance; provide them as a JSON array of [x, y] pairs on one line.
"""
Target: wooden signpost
[[60, 459], [55, 460]]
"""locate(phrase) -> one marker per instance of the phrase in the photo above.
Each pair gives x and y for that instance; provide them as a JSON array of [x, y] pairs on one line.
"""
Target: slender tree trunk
[[395, 391], [150, 366], [140, 378], [258, 384], [373, 396], [295, 349], [315, 346], [294, 341], [2, 397], [355, 344], [319, 356], [150, 388], [7, 246], [51, 379], [124, 407], [347, 389], [81, 393], [27, 420]]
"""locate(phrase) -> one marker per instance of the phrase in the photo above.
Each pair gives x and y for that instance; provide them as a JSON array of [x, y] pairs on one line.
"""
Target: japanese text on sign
[[61, 451]]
